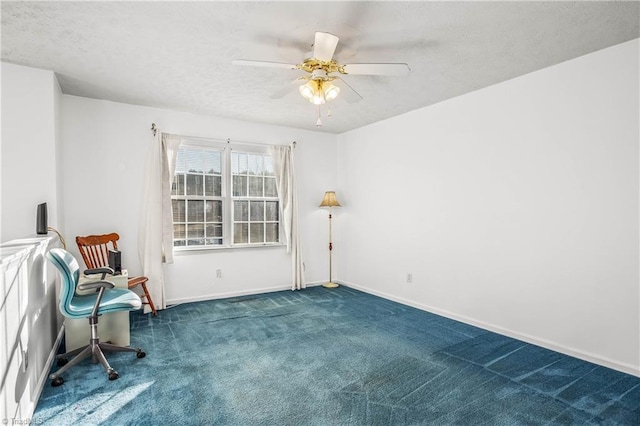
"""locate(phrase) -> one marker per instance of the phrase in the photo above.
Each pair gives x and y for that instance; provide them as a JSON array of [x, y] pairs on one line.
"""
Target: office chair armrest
[[100, 286], [97, 285], [104, 271]]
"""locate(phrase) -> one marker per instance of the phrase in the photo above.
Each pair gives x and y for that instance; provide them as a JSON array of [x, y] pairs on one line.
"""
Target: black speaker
[[115, 261], [41, 219]]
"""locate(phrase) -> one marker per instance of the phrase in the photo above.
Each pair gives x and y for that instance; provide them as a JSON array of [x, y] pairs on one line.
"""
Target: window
[[224, 197], [255, 199]]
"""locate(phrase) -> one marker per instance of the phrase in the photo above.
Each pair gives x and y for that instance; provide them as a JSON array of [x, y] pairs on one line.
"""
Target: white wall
[[30, 166], [515, 207], [105, 145], [28, 155]]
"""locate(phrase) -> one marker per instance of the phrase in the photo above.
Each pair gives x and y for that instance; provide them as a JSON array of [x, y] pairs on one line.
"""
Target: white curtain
[[287, 193], [155, 237]]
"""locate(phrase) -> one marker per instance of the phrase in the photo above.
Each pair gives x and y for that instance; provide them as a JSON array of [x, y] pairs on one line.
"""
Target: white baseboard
[[216, 296], [596, 359], [226, 295]]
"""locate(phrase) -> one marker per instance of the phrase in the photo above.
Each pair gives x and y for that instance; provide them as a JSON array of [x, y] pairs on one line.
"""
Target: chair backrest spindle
[[95, 248]]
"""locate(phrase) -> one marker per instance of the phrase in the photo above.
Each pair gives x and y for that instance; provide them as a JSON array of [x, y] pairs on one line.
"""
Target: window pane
[[214, 241], [195, 210], [194, 184], [257, 210], [193, 160], [178, 210], [255, 186], [270, 189], [179, 243], [213, 186], [240, 233], [212, 161], [238, 163], [181, 160], [272, 233], [271, 211], [179, 231], [177, 188], [234, 163], [241, 211], [255, 164], [195, 231], [214, 211], [257, 232], [214, 230], [199, 242], [239, 186], [268, 165]]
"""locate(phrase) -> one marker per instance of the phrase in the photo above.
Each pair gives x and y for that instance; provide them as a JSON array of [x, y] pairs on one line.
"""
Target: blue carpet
[[333, 357]]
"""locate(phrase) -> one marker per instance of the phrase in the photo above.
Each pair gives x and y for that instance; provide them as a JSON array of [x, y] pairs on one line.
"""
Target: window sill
[[182, 251]]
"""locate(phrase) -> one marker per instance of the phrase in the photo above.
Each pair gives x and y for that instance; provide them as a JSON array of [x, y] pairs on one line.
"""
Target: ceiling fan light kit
[[319, 88], [319, 92]]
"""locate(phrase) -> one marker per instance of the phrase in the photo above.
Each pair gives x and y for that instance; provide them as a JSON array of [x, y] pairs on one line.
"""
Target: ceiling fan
[[323, 82]]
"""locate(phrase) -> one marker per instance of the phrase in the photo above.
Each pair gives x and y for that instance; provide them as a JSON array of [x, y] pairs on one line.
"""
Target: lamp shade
[[313, 92], [329, 200], [330, 91]]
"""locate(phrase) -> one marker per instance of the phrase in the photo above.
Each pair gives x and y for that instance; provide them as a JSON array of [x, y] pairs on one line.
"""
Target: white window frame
[[227, 196]]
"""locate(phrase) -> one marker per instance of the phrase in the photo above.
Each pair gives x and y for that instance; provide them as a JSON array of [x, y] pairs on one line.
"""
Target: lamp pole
[[330, 201], [330, 284]]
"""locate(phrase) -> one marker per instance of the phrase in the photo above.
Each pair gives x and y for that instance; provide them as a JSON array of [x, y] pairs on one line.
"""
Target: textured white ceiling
[[178, 55]]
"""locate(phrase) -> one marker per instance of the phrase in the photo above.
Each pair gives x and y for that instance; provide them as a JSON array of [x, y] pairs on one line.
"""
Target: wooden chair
[[95, 253]]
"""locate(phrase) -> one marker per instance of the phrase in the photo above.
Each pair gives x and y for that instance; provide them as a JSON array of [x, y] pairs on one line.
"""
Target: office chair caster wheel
[[113, 375], [57, 382], [140, 354], [61, 362]]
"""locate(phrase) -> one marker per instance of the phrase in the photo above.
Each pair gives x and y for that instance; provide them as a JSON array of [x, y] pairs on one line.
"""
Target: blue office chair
[[106, 299]]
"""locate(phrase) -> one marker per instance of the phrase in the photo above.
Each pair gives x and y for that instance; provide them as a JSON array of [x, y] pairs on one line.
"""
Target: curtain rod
[[154, 129]]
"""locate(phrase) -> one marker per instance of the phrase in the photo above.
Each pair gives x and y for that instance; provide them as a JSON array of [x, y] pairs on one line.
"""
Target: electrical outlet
[[409, 277], [218, 273]]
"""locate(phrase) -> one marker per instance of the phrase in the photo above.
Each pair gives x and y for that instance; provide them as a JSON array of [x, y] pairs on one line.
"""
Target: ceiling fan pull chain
[[319, 122]]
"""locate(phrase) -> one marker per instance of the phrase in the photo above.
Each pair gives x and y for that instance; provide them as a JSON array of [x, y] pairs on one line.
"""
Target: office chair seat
[[105, 299], [114, 300]]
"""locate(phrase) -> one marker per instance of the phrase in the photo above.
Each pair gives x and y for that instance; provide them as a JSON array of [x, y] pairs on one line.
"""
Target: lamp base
[[330, 284]]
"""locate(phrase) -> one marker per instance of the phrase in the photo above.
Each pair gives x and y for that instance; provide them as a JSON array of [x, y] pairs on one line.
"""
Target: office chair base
[[95, 350]]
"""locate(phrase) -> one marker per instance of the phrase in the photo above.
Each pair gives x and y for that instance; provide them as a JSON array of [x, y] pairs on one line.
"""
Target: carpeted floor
[[333, 357]]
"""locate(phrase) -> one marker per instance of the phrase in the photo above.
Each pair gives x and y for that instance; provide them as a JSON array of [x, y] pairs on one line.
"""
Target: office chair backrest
[[70, 272], [95, 249]]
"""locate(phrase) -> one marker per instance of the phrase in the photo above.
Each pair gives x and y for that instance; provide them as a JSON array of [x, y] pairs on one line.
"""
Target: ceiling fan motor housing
[[319, 74]]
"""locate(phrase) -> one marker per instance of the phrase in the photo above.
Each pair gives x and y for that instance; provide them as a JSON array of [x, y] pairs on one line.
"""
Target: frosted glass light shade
[[306, 90], [330, 91], [312, 91]]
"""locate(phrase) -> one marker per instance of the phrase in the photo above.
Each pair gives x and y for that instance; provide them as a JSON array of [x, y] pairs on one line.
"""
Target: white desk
[[113, 327]]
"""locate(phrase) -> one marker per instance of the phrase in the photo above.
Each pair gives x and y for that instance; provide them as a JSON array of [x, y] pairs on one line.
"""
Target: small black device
[[41, 219], [115, 261]]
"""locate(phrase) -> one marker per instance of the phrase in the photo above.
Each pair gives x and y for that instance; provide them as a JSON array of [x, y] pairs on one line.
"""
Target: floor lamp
[[330, 201]]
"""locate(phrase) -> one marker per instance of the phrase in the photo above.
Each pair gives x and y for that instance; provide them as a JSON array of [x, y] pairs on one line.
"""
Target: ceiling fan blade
[[350, 95], [324, 46], [377, 69], [288, 88], [264, 64]]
